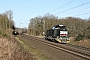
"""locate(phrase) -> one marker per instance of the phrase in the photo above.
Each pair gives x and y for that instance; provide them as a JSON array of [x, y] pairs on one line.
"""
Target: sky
[[24, 10]]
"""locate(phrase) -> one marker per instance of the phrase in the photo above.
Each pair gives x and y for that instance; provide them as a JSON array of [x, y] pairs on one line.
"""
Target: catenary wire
[[62, 6], [73, 8], [83, 14], [78, 11]]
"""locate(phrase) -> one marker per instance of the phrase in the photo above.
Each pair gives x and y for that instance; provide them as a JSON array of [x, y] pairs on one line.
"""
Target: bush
[[79, 37], [4, 34]]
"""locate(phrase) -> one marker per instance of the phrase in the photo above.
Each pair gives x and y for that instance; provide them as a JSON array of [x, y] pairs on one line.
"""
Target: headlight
[[60, 38]]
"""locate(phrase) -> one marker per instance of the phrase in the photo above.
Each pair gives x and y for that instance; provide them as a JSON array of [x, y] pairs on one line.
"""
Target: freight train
[[19, 31], [58, 33]]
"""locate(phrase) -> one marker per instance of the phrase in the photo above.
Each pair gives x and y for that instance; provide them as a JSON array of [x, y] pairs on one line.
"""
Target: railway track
[[79, 47], [80, 52]]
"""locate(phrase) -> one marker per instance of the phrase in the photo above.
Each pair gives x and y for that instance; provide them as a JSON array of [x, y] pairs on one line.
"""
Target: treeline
[[75, 26], [6, 21]]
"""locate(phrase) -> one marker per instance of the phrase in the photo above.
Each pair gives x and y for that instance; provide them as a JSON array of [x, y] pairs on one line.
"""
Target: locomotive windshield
[[63, 28]]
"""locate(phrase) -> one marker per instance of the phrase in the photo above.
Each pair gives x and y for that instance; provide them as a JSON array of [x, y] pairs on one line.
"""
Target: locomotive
[[58, 33], [15, 33]]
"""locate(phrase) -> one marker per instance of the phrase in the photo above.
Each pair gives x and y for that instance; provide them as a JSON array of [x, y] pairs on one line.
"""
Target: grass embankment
[[11, 49], [37, 54], [83, 43]]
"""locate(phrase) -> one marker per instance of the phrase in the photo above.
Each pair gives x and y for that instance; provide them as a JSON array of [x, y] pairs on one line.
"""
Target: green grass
[[35, 52]]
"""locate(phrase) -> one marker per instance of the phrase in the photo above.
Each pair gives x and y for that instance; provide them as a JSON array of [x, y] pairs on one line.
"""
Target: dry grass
[[6, 49], [84, 43], [10, 49]]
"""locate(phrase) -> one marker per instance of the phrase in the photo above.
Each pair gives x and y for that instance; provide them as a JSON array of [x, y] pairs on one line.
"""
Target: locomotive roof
[[58, 25]]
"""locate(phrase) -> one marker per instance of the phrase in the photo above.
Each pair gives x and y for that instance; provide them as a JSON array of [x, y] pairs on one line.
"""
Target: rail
[[72, 49]]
